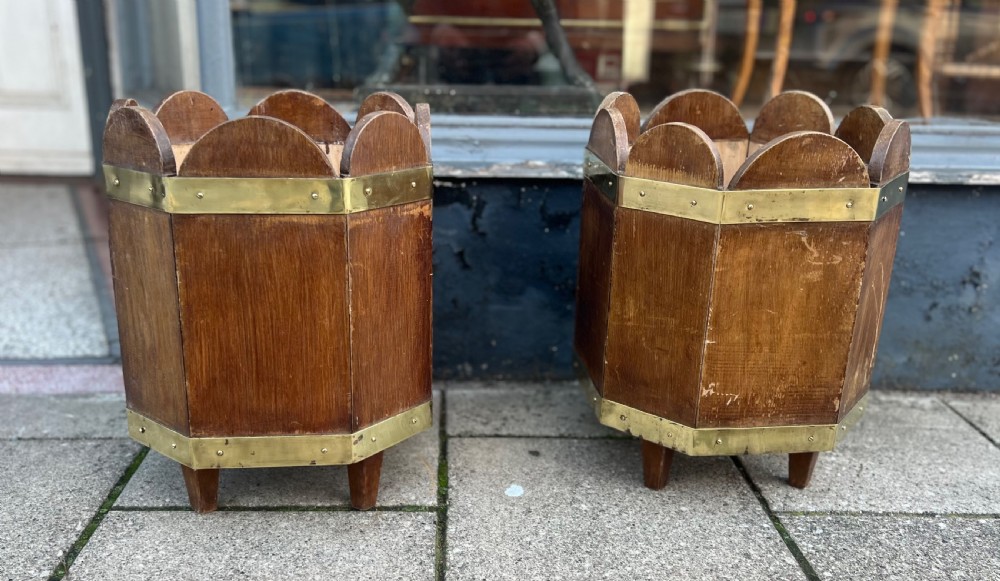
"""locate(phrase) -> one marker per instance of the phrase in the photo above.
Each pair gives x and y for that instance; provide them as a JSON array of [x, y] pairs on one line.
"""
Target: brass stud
[[413, 421], [719, 441], [812, 438], [900, 189], [368, 191], [142, 430], [150, 188], [219, 453], [885, 199], [749, 206], [642, 194], [117, 182], [850, 203], [413, 184], [324, 450], [844, 428], [694, 202], [373, 438], [610, 183], [174, 446], [200, 195], [670, 434], [622, 417], [315, 196]]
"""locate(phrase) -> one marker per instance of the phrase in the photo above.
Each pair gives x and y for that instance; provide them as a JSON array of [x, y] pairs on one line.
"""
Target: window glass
[[559, 57]]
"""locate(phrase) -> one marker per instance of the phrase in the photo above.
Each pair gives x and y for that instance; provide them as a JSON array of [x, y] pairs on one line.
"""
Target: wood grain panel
[[790, 112], [625, 104], [187, 115], [659, 304], [593, 285], [609, 139], [881, 250], [264, 310], [385, 101], [805, 159], [782, 318], [390, 281], [135, 139], [142, 262], [861, 127]]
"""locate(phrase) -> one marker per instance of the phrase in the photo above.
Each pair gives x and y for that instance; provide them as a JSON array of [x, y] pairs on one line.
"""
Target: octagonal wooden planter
[[273, 282], [732, 284]]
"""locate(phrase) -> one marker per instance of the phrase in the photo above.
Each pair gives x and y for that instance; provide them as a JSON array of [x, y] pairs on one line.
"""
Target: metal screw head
[[142, 430], [622, 417], [413, 421], [642, 194], [117, 182], [413, 184], [373, 438], [812, 438], [200, 195], [150, 188], [219, 453], [324, 450], [314, 196], [749, 206], [670, 434], [368, 191], [900, 188], [844, 428], [694, 202], [719, 441], [173, 445], [885, 199], [850, 203]]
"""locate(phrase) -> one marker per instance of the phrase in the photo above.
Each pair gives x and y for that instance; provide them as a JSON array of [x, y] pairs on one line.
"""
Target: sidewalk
[[517, 482]]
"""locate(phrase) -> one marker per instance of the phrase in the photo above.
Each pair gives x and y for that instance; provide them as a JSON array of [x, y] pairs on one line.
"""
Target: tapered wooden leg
[[363, 477], [202, 487], [800, 468], [656, 460]]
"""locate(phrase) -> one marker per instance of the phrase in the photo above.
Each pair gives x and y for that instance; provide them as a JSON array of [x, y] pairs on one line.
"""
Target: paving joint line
[[105, 300], [543, 437], [64, 565], [970, 422], [441, 536], [890, 514], [779, 526], [281, 508]]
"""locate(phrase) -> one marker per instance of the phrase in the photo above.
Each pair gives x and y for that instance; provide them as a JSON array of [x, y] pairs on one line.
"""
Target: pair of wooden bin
[[273, 278]]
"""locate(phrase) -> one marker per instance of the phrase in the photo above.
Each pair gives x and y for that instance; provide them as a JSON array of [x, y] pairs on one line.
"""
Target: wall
[[505, 272]]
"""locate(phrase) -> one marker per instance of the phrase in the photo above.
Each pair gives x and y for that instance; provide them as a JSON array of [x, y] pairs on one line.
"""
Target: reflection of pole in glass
[[637, 40], [782, 47], [880, 56], [749, 51]]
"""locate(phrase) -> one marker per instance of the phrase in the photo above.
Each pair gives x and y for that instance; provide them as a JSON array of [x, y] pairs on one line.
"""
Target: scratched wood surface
[[714, 114], [609, 138], [186, 116], [135, 139], [310, 113], [804, 159], [861, 127], [661, 280], [390, 268], [263, 298], [385, 101], [789, 112], [625, 104], [593, 287]]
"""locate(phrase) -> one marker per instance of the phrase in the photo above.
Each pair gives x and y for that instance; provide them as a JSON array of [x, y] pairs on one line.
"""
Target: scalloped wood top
[[676, 152], [861, 127], [257, 147], [609, 138], [709, 111], [385, 101], [626, 105], [187, 115], [804, 159], [789, 112], [308, 112], [135, 139], [422, 117], [383, 141], [891, 154]]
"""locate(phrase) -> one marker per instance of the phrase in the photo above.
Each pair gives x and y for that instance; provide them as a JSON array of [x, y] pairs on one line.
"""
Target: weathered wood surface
[[790, 112], [861, 127], [313, 115], [625, 104], [677, 153], [609, 139], [186, 116], [804, 159], [385, 101], [135, 139]]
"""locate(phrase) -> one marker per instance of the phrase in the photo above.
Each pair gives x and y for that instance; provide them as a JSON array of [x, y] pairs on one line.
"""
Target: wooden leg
[[363, 477], [656, 461], [202, 487], [800, 468]]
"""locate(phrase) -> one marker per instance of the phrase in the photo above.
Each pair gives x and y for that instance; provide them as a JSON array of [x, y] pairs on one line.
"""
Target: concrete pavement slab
[[61, 379], [899, 548], [37, 214], [910, 453], [409, 477], [520, 409], [75, 416], [259, 546], [981, 410], [523, 508], [49, 307], [48, 493]]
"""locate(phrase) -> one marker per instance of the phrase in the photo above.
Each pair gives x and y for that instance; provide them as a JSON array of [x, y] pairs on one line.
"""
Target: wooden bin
[[272, 280], [727, 303]]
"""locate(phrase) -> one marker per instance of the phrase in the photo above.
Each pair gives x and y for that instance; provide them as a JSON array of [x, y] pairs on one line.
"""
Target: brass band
[[272, 451], [720, 441], [745, 206], [190, 195]]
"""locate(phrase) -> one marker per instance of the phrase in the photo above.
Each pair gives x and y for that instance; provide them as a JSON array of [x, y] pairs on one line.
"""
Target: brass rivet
[[843, 428], [885, 199], [610, 183], [670, 434], [642, 194], [173, 445], [219, 453], [142, 430], [595, 400], [200, 195], [163, 194], [812, 438], [150, 188], [117, 182], [368, 191], [324, 450], [850, 204], [413, 421], [373, 438], [749, 206], [694, 202], [315, 196], [719, 441], [900, 188], [861, 408], [413, 184], [622, 417]]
